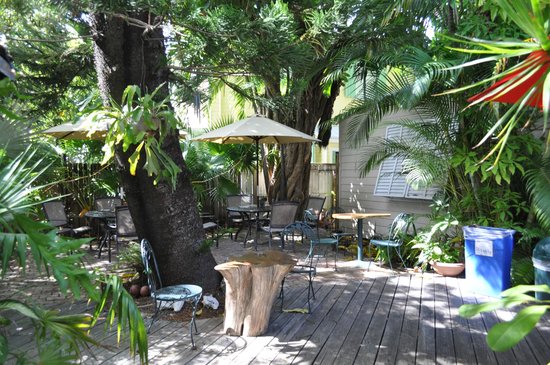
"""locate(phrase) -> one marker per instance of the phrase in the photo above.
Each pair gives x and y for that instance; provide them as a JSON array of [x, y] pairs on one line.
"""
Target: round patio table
[[247, 212], [359, 218], [104, 216]]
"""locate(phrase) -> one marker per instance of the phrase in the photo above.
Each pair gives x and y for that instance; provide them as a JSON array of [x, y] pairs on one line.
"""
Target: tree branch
[[206, 72], [65, 39]]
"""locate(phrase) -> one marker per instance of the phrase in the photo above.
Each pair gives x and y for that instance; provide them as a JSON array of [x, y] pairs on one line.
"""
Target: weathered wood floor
[[383, 319]]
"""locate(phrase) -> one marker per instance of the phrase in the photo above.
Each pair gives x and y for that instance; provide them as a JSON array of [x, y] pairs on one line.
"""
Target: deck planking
[[355, 319]]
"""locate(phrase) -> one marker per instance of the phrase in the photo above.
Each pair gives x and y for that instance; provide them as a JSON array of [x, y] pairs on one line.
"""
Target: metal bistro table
[[359, 218], [247, 212], [104, 216]]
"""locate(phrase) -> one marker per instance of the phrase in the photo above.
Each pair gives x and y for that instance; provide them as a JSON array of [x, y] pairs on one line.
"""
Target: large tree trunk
[[314, 107], [130, 55]]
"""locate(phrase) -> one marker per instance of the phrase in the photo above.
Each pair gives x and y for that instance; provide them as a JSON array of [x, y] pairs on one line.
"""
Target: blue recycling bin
[[488, 259]]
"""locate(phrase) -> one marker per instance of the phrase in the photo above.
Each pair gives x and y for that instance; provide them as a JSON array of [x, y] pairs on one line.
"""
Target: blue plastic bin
[[488, 259]]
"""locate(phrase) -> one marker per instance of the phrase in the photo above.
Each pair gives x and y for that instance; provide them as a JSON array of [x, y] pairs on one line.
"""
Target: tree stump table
[[252, 282]]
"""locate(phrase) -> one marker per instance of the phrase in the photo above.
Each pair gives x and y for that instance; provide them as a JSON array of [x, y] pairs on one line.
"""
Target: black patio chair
[[55, 214], [282, 214], [313, 211], [234, 219], [125, 230]]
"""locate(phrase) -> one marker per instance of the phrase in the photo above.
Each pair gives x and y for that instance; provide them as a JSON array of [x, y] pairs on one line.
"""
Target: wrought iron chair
[[398, 229], [317, 242], [164, 295], [282, 214], [55, 214]]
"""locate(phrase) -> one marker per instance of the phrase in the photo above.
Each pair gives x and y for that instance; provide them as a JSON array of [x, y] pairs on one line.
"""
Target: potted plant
[[441, 246]]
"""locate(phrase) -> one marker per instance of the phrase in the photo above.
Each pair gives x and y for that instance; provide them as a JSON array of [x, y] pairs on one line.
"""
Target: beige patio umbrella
[[256, 129], [84, 129]]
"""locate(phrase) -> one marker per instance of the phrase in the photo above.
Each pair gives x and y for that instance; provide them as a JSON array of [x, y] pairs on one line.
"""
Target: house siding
[[356, 193]]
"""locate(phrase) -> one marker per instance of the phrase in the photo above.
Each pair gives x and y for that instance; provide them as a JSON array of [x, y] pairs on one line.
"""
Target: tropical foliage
[[524, 85], [144, 123], [59, 337], [505, 335], [24, 240]]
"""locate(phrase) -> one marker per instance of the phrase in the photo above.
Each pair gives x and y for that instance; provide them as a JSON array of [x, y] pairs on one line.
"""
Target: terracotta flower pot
[[448, 269]]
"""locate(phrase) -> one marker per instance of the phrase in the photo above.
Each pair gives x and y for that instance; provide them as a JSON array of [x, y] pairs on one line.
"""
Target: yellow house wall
[[223, 105]]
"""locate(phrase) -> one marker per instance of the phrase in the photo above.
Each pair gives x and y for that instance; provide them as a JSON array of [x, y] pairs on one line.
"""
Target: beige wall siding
[[355, 193]]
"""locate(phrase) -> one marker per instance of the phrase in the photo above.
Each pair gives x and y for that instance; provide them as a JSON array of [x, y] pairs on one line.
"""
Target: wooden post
[[252, 282]]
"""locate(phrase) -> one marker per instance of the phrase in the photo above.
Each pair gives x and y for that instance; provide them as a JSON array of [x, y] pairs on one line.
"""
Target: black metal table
[[107, 219], [247, 212]]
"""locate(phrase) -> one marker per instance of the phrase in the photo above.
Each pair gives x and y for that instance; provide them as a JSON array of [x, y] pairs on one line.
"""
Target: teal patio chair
[[165, 295], [398, 229]]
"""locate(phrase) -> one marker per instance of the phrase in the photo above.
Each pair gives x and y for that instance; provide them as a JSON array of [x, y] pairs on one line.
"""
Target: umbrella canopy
[[256, 129], [84, 129]]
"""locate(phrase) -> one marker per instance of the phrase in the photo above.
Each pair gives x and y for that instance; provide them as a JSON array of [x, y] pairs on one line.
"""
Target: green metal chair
[[164, 295], [291, 233], [398, 229]]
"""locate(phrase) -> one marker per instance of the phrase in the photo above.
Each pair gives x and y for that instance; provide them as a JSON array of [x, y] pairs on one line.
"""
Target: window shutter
[[391, 181]]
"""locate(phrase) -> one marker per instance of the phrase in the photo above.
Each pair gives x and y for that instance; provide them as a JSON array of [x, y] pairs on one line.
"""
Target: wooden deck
[[357, 318]]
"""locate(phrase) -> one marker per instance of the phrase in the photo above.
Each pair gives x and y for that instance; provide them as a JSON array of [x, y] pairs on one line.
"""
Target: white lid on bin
[[475, 232]]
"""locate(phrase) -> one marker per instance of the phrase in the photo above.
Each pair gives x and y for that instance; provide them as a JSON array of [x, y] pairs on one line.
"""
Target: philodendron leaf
[[470, 310], [507, 334], [522, 289], [134, 159]]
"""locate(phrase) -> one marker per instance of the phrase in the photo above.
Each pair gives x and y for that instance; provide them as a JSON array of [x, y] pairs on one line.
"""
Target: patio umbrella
[[256, 129], [84, 129]]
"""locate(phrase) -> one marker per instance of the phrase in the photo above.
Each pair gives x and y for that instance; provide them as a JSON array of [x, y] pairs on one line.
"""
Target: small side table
[[252, 282]]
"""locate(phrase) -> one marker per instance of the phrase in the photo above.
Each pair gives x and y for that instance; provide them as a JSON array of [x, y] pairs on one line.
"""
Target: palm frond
[[67, 332], [538, 181], [122, 308]]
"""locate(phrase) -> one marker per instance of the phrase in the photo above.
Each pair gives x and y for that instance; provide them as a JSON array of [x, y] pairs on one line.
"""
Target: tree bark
[[125, 55], [314, 107]]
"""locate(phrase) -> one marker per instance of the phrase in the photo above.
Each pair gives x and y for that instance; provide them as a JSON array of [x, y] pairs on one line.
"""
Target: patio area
[[358, 316]]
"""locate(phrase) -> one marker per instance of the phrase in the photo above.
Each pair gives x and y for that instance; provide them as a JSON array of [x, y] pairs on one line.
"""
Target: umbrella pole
[[282, 185], [257, 174]]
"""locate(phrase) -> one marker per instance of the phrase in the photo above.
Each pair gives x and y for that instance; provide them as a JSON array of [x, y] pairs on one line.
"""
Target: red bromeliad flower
[[526, 77]]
